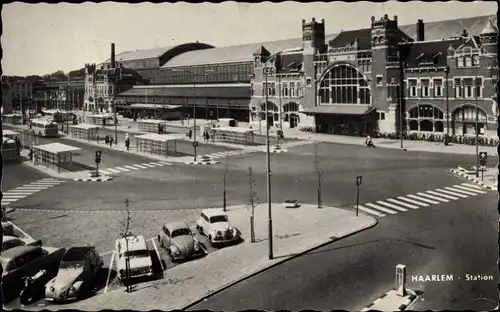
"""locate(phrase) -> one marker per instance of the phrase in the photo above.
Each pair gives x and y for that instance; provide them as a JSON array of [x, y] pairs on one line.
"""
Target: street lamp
[[195, 143], [447, 137], [268, 71]]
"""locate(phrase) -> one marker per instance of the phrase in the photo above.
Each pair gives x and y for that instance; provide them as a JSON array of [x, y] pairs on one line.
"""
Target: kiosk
[[84, 132], [100, 120], [235, 135], [9, 150], [54, 155], [160, 144], [151, 125], [13, 119]]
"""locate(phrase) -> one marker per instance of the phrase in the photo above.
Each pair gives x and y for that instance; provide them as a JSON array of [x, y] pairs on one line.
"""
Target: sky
[[41, 38]]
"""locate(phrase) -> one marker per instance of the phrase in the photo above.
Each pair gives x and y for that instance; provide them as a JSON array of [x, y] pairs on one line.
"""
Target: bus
[[58, 115], [44, 127], [9, 150]]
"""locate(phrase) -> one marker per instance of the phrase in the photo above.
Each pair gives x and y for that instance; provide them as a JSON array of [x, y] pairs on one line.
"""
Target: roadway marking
[[140, 166], [130, 167], [381, 202], [148, 165], [451, 193], [113, 170], [157, 164], [442, 195], [371, 211], [104, 171], [433, 197], [461, 191], [423, 199], [109, 271], [19, 229], [165, 163], [472, 185], [402, 203], [412, 201], [381, 208], [15, 196], [475, 190], [122, 169]]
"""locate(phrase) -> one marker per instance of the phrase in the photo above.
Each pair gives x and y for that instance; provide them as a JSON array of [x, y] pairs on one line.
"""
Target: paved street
[[16, 174], [351, 273]]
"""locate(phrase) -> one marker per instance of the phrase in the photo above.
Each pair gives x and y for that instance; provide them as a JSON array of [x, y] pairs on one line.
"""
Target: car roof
[[213, 212], [172, 226], [77, 253], [9, 238], [17, 251], [137, 242]]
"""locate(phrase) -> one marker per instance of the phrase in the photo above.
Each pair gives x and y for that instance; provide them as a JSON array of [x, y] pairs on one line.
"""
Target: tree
[[125, 234], [319, 174], [254, 200], [225, 182]]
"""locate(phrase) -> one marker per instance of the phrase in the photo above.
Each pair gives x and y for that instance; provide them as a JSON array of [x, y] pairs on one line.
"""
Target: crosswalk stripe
[[131, 168], [442, 195], [165, 163], [10, 200], [141, 166], [461, 191], [32, 188], [10, 193], [104, 171], [413, 201], [469, 189], [381, 208], [13, 196], [122, 169], [53, 180], [381, 202], [423, 199], [157, 164], [148, 165], [402, 203], [451, 193], [472, 185], [368, 210], [43, 184], [433, 197], [113, 170]]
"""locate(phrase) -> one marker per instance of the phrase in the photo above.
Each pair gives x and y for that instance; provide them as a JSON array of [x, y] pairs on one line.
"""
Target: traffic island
[[205, 160], [391, 301], [95, 179], [278, 149], [489, 180]]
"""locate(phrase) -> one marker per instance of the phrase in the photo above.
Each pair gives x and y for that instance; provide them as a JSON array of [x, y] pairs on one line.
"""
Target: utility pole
[[125, 235], [281, 117], [319, 173], [477, 124], [225, 181], [114, 105], [447, 71], [268, 158]]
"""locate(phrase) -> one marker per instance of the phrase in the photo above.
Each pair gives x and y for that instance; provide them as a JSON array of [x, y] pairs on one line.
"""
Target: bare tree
[[125, 234], [254, 200], [319, 174], [225, 182]]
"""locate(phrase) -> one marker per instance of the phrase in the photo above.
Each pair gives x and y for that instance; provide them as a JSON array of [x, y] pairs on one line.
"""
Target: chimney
[[420, 30], [113, 55]]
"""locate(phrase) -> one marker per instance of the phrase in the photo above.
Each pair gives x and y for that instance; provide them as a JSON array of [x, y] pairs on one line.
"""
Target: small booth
[[234, 135], [54, 155], [160, 144], [9, 150], [84, 132], [9, 134], [13, 119], [151, 125], [100, 120]]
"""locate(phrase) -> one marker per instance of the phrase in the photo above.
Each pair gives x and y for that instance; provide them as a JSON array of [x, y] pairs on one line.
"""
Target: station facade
[[424, 78]]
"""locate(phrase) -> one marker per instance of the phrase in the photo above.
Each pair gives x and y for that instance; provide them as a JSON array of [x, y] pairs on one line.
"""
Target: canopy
[[85, 126], [154, 106], [160, 137], [340, 109], [57, 148], [233, 129]]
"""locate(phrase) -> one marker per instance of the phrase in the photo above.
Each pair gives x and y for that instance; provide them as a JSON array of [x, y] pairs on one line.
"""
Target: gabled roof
[[432, 53], [261, 51], [489, 29], [290, 62], [349, 37]]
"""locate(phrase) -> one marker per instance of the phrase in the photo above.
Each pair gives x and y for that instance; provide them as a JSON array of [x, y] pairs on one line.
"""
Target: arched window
[[291, 107], [272, 107], [344, 84], [464, 120], [425, 118], [468, 113]]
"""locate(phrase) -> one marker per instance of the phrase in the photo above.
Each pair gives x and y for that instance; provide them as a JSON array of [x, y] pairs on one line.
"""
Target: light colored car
[[12, 241], [291, 203], [214, 223], [76, 276], [140, 263], [179, 241]]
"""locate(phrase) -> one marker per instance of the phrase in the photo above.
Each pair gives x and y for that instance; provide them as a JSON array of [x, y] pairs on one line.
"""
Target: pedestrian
[[18, 146], [190, 133], [127, 143], [106, 139], [110, 141]]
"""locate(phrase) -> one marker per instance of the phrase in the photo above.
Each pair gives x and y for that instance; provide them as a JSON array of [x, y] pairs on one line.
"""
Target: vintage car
[[291, 203], [135, 249], [179, 241], [214, 223], [12, 241], [23, 261], [76, 276], [8, 228]]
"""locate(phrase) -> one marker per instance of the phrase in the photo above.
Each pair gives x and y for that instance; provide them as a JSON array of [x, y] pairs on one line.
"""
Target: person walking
[[110, 141], [127, 143]]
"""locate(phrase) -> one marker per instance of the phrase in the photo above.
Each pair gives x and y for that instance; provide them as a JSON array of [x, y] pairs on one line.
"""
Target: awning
[[339, 109], [154, 106], [199, 92]]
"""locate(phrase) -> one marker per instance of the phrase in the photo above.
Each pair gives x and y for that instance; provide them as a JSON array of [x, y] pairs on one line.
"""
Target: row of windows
[[467, 61], [100, 90], [344, 85], [464, 87], [434, 113], [288, 89]]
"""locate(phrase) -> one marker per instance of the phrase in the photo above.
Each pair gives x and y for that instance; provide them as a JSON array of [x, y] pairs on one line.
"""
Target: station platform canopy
[[154, 106], [58, 148], [339, 109], [215, 91], [234, 129], [160, 137]]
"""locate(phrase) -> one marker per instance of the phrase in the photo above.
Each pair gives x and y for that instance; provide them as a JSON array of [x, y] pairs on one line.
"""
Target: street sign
[[483, 158], [359, 179], [195, 143], [98, 154]]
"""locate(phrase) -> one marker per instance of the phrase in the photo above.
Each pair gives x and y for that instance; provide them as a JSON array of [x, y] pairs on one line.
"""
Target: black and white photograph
[[250, 156]]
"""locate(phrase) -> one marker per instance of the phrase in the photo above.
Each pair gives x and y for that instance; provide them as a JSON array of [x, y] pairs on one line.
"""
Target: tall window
[[292, 89], [479, 87], [344, 84], [468, 86], [468, 61], [426, 118], [412, 84], [425, 87], [460, 62], [273, 89], [438, 87], [458, 88], [284, 91], [299, 89]]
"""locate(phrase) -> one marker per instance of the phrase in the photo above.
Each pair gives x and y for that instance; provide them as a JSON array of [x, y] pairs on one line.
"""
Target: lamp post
[[446, 138], [114, 105], [268, 161], [281, 117], [477, 123]]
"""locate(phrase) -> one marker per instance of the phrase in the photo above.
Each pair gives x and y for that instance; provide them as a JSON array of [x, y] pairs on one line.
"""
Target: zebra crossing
[[419, 200], [127, 168], [26, 190], [229, 153]]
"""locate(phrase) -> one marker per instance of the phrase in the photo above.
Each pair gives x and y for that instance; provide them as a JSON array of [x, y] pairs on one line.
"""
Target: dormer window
[[468, 61]]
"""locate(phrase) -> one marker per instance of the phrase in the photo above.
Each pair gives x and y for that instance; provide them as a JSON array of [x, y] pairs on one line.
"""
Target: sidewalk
[[390, 301], [295, 231], [489, 178]]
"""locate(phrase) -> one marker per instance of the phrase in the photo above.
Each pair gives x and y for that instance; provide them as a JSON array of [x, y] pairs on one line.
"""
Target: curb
[[473, 179], [402, 307], [279, 151], [210, 162], [237, 281], [103, 179]]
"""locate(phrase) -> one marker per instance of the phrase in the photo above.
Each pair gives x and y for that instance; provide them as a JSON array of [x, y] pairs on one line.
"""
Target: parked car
[[76, 275], [214, 223], [23, 261], [12, 241], [291, 203], [179, 241], [8, 228], [140, 262]]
